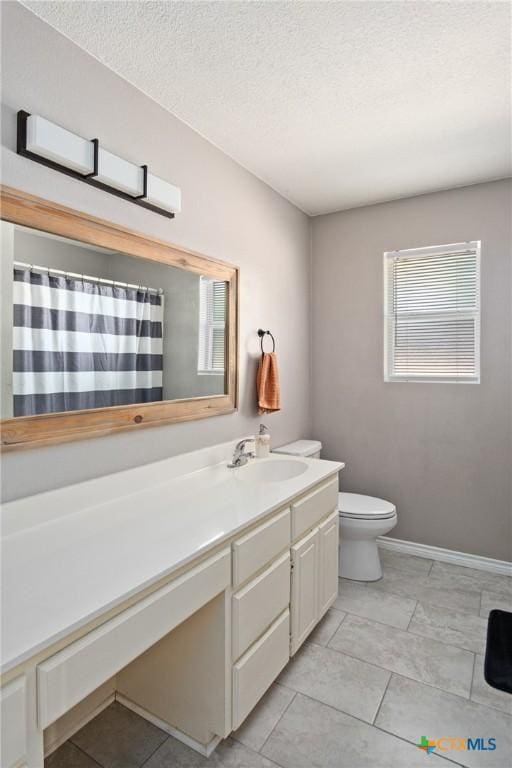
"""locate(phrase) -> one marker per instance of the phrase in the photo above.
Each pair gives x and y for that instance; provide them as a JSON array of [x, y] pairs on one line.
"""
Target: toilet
[[310, 449], [362, 520]]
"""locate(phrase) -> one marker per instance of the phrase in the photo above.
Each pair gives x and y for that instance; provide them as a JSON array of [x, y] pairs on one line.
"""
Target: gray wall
[[441, 452], [227, 214]]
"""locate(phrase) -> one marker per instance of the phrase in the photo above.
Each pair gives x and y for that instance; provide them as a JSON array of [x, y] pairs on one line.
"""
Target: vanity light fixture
[[84, 159]]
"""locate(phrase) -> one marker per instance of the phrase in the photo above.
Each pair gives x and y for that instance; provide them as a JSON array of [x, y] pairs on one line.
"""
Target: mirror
[[88, 327], [91, 328]]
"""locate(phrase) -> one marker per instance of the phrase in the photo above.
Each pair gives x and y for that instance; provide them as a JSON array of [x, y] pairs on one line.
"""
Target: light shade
[[119, 173], [47, 143], [163, 195], [59, 145]]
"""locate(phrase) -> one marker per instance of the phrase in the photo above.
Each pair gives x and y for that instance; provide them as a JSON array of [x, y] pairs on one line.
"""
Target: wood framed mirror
[[105, 329]]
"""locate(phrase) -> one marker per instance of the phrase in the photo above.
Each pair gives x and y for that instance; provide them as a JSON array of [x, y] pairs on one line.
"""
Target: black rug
[[498, 651]]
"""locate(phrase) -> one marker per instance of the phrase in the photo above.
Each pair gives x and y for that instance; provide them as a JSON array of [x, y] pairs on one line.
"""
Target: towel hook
[[262, 334]]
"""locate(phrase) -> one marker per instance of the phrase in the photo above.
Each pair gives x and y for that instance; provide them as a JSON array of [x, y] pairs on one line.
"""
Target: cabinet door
[[304, 598], [328, 562], [13, 742]]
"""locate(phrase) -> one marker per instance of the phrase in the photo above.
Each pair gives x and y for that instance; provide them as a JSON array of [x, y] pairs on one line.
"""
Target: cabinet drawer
[[308, 512], [13, 724], [259, 667], [257, 548], [70, 675], [256, 606]]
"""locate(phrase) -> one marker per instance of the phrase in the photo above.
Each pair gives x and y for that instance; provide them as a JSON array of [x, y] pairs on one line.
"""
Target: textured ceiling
[[333, 104]]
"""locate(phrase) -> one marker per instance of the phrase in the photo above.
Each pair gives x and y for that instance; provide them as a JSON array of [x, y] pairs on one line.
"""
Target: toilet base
[[359, 555], [359, 560]]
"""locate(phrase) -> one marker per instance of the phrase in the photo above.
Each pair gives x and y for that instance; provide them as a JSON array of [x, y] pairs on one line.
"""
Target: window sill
[[431, 380], [211, 373]]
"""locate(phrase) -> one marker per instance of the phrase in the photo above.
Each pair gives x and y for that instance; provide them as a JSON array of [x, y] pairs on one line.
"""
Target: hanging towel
[[267, 382]]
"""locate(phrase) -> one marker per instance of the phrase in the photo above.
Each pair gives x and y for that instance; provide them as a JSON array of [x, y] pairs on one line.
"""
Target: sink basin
[[272, 470]]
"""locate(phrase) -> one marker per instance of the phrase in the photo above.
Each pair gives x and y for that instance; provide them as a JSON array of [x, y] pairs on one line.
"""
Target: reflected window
[[212, 326]]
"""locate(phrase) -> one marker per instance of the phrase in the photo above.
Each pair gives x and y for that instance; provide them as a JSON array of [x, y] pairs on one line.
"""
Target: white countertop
[[70, 555]]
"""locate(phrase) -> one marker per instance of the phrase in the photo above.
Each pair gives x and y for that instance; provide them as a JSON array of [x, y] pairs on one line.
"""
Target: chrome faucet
[[240, 457]]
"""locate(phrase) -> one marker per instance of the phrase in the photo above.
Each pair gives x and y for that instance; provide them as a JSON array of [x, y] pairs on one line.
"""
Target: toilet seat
[[360, 507]]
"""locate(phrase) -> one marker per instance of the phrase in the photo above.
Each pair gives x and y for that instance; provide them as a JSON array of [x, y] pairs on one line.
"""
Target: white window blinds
[[212, 325], [432, 314]]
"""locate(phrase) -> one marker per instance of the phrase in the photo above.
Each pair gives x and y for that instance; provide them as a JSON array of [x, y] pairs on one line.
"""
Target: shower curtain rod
[[89, 278]]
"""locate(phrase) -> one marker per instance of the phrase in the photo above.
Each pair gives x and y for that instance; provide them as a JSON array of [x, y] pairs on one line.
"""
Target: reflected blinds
[[432, 314], [212, 325]]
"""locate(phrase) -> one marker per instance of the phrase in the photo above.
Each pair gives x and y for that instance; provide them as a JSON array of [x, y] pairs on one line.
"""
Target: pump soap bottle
[[262, 443]]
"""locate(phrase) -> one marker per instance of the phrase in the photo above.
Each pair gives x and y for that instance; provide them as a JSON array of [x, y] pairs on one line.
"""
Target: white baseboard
[[203, 749], [446, 555]]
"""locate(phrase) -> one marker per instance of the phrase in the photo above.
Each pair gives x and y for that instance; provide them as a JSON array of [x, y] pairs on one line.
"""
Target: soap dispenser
[[262, 443]]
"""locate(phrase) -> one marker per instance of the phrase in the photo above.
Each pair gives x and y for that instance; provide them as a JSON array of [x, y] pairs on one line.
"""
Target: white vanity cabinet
[[305, 580], [195, 653], [314, 586], [13, 742], [256, 605], [295, 590], [328, 533], [259, 667], [260, 546], [260, 616], [71, 674]]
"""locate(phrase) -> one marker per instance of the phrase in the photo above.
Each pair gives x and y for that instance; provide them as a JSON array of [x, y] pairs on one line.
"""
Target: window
[[432, 314], [212, 326]]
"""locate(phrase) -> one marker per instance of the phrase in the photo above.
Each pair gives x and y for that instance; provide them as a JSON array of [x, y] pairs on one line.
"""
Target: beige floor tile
[[459, 577], [118, 738], [428, 590], [338, 680], [313, 735], [464, 630], [491, 600], [343, 580], [379, 605], [327, 627], [229, 754], [403, 562], [483, 693], [258, 726], [420, 658], [412, 710], [69, 756]]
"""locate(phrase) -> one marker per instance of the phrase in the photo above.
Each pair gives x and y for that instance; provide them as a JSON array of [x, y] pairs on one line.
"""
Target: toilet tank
[[308, 448]]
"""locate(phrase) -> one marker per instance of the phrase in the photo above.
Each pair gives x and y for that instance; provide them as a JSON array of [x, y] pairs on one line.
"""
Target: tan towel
[[267, 382]]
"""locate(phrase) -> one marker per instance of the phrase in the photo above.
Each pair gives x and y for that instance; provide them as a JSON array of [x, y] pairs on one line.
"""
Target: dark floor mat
[[498, 651]]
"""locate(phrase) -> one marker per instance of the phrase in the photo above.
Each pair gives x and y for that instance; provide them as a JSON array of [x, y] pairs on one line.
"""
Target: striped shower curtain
[[82, 344]]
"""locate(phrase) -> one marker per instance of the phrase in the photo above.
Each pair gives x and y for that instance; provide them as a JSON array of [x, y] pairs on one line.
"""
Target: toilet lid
[[364, 507]]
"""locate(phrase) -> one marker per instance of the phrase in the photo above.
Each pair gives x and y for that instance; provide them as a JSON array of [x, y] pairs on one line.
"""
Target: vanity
[[181, 588]]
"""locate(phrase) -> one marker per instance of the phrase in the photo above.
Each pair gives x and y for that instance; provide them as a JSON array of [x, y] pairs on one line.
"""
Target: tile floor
[[391, 661]]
